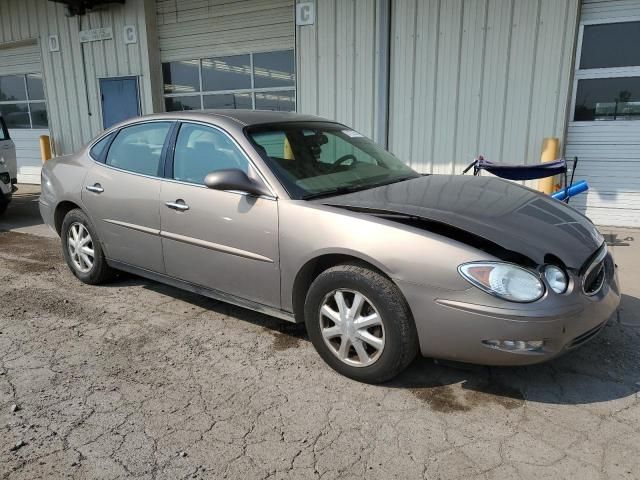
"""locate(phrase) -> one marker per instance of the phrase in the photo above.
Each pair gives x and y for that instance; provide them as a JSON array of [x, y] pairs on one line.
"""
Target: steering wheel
[[343, 159]]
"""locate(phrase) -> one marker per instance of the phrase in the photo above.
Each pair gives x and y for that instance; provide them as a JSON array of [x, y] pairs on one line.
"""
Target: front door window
[[201, 150]]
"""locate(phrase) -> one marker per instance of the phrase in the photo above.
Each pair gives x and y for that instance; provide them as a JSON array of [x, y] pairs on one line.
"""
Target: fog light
[[4, 176], [515, 345]]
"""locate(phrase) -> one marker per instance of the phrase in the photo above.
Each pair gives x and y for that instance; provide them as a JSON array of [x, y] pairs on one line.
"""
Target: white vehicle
[[8, 166]]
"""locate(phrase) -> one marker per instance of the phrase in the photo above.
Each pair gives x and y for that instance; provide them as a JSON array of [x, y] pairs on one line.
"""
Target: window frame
[[598, 73], [168, 166], [103, 156], [28, 101], [5, 130], [251, 91]]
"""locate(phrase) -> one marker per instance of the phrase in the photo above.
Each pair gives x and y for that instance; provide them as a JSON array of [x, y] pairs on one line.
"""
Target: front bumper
[[453, 325], [6, 191]]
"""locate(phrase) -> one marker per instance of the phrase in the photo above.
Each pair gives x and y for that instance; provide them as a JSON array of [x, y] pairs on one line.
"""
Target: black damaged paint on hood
[[514, 217]]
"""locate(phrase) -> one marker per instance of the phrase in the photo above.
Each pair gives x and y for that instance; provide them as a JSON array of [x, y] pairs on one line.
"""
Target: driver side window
[[201, 150]]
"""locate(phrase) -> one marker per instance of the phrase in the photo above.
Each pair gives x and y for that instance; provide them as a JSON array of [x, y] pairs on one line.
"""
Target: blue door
[[119, 99]]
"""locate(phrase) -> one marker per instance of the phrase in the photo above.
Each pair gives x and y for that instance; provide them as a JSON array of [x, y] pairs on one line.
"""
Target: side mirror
[[234, 179]]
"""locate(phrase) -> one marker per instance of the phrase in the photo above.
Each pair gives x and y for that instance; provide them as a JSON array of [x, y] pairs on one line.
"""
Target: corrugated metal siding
[[66, 93], [609, 159], [200, 28], [593, 10], [336, 63], [473, 77], [20, 59]]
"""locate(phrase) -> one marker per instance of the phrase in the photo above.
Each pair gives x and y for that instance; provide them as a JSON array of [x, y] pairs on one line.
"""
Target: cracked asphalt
[[139, 380]]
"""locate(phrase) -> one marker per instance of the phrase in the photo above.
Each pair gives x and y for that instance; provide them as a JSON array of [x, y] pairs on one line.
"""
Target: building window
[[608, 76], [22, 102], [262, 81]]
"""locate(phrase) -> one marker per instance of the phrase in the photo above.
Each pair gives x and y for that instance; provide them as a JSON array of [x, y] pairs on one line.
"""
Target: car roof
[[256, 117], [241, 117]]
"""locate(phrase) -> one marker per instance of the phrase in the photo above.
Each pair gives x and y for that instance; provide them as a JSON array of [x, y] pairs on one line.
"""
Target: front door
[[120, 99], [222, 240], [122, 196]]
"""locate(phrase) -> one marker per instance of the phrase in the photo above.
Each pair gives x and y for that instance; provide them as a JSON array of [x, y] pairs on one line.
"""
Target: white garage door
[[23, 107], [604, 127]]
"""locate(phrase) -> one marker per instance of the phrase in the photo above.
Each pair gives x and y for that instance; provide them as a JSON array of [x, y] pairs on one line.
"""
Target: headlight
[[556, 278], [504, 280]]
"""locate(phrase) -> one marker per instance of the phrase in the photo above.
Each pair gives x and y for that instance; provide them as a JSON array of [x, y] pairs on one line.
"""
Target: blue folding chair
[[526, 172]]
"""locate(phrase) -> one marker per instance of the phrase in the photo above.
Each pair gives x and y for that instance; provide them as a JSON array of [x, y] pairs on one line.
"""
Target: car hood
[[505, 213]]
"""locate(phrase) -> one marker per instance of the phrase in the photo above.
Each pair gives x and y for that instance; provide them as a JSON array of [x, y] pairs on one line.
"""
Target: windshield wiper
[[352, 188], [334, 191], [389, 182]]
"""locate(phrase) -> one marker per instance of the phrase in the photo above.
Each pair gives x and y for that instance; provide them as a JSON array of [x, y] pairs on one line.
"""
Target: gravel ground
[[139, 380]]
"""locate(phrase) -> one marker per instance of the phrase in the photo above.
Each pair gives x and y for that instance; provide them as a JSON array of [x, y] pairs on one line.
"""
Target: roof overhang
[[80, 7]]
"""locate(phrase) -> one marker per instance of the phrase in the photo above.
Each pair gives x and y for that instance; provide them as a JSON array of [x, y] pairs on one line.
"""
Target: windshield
[[322, 159]]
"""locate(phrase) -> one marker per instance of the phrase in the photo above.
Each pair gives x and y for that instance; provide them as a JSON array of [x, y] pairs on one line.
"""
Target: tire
[[378, 296], [99, 272], [3, 204]]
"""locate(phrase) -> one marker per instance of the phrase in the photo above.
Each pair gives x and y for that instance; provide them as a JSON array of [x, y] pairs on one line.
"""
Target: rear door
[[7, 151], [122, 191], [227, 241]]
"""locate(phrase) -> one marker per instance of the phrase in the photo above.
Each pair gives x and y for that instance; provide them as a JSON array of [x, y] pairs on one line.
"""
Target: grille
[[593, 278], [586, 336]]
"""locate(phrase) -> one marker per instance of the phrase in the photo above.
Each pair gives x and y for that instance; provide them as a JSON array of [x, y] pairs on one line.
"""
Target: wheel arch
[[318, 264], [62, 208]]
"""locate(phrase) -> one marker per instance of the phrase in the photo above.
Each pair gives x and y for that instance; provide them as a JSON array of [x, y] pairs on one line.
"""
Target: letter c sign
[[305, 13]]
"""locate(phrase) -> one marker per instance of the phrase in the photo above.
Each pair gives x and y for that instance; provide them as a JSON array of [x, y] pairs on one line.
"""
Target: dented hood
[[505, 213]]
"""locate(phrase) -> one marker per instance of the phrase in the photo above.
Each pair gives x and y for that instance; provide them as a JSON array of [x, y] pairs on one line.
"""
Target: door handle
[[178, 205], [95, 188], [6, 147]]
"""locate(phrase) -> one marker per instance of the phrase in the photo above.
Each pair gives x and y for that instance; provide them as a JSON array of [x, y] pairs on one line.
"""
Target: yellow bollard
[[45, 148], [550, 152], [288, 153]]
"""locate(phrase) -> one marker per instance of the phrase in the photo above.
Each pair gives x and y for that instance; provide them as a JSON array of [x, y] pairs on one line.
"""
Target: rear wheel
[[360, 323], [3, 203], [81, 249]]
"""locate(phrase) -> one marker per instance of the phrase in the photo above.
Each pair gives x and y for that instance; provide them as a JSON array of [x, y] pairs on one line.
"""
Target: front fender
[[404, 253]]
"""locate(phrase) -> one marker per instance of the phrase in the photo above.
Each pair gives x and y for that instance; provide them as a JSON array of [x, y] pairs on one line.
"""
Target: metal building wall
[[73, 105], [191, 29], [473, 77], [337, 64], [609, 151]]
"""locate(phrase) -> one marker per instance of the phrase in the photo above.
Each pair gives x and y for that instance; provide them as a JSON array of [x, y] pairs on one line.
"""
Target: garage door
[[604, 127], [23, 106]]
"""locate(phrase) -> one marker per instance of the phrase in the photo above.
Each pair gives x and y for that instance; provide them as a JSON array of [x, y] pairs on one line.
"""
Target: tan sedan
[[307, 220]]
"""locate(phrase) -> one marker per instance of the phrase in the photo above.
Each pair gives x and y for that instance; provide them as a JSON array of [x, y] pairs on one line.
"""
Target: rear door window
[[138, 148], [98, 150]]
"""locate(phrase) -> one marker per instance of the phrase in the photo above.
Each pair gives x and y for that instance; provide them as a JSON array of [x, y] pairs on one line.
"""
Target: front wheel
[[81, 249], [360, 324], [3, 203]]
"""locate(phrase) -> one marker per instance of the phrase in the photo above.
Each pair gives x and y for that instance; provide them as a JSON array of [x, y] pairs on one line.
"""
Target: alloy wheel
[[352, 328], [80, 245]]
